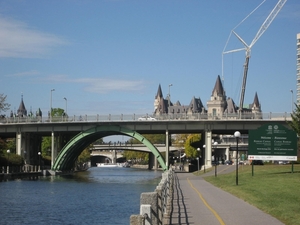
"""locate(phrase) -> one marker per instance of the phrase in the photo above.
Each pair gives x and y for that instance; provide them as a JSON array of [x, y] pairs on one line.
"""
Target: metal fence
[[148, 117]]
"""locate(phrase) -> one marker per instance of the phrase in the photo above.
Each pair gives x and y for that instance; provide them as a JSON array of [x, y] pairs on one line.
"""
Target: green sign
[[272, 142]]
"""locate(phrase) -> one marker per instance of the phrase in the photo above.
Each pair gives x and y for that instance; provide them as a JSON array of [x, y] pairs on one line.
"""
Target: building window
[[214, 112]]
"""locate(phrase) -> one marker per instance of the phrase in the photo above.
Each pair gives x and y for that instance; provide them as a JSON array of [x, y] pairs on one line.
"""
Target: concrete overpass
[[131, 147], [82, 132]]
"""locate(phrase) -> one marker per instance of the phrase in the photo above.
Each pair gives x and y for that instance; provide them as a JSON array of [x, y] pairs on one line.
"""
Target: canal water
[[96, 196]]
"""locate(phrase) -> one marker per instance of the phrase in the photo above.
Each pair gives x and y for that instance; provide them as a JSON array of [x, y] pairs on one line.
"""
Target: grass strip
[[273, 189]]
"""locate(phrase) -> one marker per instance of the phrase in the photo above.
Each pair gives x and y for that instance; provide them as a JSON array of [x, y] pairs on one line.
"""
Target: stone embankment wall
[[155, 207]]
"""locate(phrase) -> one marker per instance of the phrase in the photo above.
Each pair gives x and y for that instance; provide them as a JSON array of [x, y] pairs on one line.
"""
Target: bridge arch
[[70, 152]]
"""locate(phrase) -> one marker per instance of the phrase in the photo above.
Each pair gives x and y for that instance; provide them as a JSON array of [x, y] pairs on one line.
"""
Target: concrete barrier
[[155, 207]]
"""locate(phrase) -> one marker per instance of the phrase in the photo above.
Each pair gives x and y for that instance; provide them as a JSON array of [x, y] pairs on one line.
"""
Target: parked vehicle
[[228, 162], [146, 118], [258, 162]]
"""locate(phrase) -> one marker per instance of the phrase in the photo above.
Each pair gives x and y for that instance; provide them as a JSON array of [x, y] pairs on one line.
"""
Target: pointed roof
[[256, 101], [22, 109], [231, 106], [159, 92], [177, 103], [218, 87], [196, 104]]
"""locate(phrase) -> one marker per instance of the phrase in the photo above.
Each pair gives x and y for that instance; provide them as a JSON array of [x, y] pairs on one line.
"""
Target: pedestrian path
[[197, 202]]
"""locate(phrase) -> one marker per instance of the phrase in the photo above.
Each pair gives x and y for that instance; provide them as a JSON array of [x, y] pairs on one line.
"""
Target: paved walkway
[[198, 202]]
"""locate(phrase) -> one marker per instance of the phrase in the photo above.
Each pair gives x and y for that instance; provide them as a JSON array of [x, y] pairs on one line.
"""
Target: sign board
[[272, 142]]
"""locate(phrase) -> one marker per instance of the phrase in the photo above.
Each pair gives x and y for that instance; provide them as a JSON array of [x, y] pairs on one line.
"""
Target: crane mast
[[260, 32]]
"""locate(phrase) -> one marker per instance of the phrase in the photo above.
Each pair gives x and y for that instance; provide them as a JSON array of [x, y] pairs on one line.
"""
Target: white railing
[[138, 117]]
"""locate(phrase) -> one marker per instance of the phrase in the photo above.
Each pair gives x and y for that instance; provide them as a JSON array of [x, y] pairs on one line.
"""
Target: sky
[[109, 56]]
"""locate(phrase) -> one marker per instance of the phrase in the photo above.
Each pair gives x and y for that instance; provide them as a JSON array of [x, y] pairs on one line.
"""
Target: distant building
[[22, 112], [218, 106]]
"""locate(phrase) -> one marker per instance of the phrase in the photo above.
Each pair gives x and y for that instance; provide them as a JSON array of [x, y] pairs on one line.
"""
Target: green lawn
[[274, 189]]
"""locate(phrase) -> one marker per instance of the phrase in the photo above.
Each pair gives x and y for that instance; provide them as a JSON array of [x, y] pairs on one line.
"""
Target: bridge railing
[[156, 206], [139, 117]]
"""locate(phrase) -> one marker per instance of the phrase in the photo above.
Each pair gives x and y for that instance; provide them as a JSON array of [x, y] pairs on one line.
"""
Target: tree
[[56, 112], [3, 105], [295, 123], [84, 156], [190, 150]]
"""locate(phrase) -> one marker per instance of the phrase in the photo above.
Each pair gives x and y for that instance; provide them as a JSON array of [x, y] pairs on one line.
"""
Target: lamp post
[[39, 154], [215, 147], [198, 163], [292, 106], [169, 95], [66, 105], [8, 152], [25, 157], [198, 149], [51, 104], [237, 135], [204, 159]]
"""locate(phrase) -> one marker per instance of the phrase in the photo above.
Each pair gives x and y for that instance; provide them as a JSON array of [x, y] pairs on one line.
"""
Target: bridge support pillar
[[28, 145], [152, 162], [53, 152], [114, 156], [167, 148], [227, 153], [208, 148]]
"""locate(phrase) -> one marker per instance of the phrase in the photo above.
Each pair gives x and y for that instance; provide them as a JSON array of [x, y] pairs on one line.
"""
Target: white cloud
[[100, 85], [20, 41], [24, 74]]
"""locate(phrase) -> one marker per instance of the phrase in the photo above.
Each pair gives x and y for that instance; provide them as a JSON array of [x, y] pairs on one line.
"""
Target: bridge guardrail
[[156, 206], [135, 117]]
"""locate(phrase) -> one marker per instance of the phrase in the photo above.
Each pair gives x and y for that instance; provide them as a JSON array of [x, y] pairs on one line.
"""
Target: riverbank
[[20, 175]]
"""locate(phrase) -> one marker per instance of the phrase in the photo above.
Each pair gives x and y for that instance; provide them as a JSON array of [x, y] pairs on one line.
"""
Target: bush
[[12, 159]]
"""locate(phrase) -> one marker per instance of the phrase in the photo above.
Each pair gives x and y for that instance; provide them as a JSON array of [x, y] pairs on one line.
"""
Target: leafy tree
[[56, 112], [190, 150], [295, 123], [46, 148], [4, 106], [84, 156], [136, 156], [180, 140]]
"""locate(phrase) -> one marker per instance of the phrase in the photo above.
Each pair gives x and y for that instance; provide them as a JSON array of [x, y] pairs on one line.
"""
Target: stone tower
[[217, 103]]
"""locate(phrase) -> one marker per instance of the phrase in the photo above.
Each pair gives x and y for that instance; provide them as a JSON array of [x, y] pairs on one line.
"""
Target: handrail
[[162, 117]]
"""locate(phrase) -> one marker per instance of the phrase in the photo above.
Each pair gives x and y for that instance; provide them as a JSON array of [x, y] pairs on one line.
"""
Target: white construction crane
[[247, 48]]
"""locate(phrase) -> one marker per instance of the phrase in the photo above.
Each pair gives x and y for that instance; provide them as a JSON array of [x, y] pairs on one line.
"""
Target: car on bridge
[[143, 118]]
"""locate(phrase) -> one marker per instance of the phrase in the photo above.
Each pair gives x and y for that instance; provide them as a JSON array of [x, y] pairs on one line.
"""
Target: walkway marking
[[206, 204]]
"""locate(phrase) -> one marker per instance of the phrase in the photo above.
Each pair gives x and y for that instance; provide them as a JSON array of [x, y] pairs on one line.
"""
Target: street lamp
[[237, 135], [25, 157], [204, 159], [169, 95], [8, 152], [292, 106], [66, 105], [198, 163], [215, 147], [198, 149], [39, 154], [51, 104]]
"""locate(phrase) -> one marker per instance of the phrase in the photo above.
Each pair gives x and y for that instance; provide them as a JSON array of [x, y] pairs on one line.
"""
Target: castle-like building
[[218, 107]]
